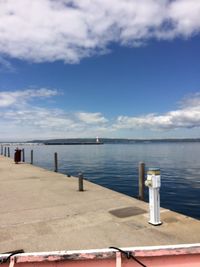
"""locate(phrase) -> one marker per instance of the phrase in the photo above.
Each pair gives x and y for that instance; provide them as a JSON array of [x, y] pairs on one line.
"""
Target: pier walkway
[[42, 210]]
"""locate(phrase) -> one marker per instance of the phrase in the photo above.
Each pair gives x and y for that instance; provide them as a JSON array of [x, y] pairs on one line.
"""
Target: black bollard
[[55, 162], [31, 156], [23, 155]]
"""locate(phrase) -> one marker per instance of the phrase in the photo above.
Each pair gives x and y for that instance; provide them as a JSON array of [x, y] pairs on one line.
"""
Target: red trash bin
[[17, 156]]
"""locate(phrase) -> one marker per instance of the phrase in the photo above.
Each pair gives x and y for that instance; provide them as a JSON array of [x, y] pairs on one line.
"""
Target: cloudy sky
[[82, 68]]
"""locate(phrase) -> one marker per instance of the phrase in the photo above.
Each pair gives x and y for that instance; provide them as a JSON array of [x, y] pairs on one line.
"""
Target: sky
[[87, 68]]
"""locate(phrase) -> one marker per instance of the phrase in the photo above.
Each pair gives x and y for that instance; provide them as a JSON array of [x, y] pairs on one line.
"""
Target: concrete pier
[[42, 210]]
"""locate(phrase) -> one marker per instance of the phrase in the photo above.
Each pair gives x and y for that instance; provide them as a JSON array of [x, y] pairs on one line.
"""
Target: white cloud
[[91, 118], [191, 100], [185, 14], [69, 30], [29, 121], [186, 117], [22, 96], [39, 118], [33, 122]]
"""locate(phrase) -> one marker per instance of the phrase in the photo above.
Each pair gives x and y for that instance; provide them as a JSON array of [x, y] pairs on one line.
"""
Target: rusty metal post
[[9, 152], [31, 156], [141, 180], [80, 182], [55, 162]]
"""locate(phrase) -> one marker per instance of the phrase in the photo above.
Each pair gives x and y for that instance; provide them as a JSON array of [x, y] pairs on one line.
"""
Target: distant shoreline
[[92, 141]]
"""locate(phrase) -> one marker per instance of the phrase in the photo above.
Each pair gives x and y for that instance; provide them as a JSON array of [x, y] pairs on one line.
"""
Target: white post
[[154, 182]]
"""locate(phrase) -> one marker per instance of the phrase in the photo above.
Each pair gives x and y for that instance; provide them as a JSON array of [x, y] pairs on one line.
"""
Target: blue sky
[[123, 69]]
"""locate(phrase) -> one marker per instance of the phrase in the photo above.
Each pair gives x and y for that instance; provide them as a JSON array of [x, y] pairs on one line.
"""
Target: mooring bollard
[[80, 182], [23, 155], [153, 182], [9, 152], [55, 162], [141, 180], [31, 156], [5, 151]]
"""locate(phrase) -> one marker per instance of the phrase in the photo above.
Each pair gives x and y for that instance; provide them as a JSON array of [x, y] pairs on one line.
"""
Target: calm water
[[116, 167]]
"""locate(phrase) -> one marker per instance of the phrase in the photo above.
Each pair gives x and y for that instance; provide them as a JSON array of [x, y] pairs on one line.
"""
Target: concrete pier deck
[[43, 211]]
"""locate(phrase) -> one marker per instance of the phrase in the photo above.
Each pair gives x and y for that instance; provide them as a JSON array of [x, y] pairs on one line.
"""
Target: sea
[[115, 166]]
